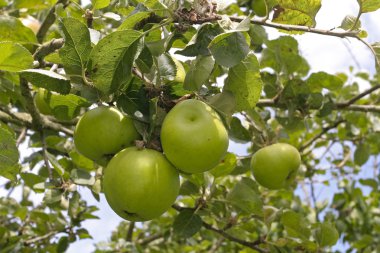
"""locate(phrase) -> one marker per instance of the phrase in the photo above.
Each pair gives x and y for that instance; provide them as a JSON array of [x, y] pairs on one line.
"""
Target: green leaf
[[81, 161], [187, 223], [12, 30], [31, 179], [244, 81], [74, 208], [245, 197], [283, 56], [368, 5], [99, 4], [326, 234], [47, 79], [224, 103], [349, 22], [258, 36], [63, 244], [56, 165], [82, 177], [242, 166], [200, 42], [14, 57], [295, 224], [229, 49], [369, 182], [188, 188], [376, 48], [259, 7], [244, 25], [30, 4], [363, 242], [3, 3], [361, 154], [166, 67], [317, 81], [237, 132], [134, 99], [133, 19], [199, 73], [76, 50], [301, 12], [225, 167], [157, 47], [112, 58], [64, 107], [9, 166], [52, 196]]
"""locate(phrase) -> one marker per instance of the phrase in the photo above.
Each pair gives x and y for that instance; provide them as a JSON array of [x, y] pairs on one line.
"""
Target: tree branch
[[361, 95], [265, 22], [314, 198], [130, 231], [343, 34], [222, 232], [24, 119], [21, 137], [252, 245], [45, 155], [338, 106], [149, 239], [40, 238], [324, 131], [48, 48], [37, 121]]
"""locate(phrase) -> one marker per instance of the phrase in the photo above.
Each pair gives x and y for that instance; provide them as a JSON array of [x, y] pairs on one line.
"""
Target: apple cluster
[[140, 183]]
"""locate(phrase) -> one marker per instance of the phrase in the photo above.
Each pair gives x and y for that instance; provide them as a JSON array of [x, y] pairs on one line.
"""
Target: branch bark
[[147, 240], [24, 119], [48, 48], [323, 132], [252, 245], [130, 231], [338, 106], [343, 34], [40, 238], [361, 95]]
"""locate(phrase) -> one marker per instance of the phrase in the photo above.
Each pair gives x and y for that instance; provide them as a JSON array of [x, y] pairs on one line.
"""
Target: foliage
[[123, 53]]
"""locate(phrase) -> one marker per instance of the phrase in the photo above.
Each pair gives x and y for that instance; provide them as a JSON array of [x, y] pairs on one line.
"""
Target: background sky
[[323, 53]]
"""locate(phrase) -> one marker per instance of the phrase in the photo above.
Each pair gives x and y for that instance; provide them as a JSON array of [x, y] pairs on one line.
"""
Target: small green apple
[[193, 137], [140, 185], [41, 100], [102, 132], [276, 166]]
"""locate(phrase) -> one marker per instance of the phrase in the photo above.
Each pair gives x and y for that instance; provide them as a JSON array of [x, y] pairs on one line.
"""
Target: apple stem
[[140, 144]]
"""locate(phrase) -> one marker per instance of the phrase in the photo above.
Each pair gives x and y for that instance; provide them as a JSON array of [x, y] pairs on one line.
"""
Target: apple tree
[[139, 99]]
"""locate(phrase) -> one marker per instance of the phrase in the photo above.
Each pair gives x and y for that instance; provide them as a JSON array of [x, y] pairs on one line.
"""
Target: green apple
[[102, 132], [276, 166], [180, 73], [41, 100], [193, 137], [140, 184]]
